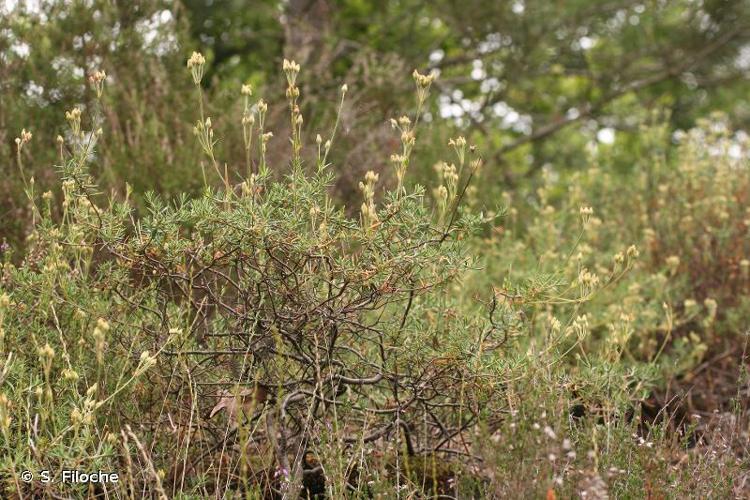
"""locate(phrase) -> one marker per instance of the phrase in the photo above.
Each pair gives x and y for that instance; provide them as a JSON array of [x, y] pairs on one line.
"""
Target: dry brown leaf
[[248, 399]]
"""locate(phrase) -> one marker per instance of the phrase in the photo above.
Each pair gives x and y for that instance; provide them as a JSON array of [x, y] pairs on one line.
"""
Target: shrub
[[259, 340], [681, 304], [255, 338]]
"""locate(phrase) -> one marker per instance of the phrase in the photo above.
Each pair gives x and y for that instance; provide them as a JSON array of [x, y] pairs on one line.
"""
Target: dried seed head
[[459, 142], [408, 138], [290, 66], [46, 352], [70, 374], [195, 65], [146, 361], [5, 418], [711, 305], [102, 324], [554, 324], [73, 115], [196, 59], [97, 77], [673, 262], [291, 69], [248, 120], [423, 81]]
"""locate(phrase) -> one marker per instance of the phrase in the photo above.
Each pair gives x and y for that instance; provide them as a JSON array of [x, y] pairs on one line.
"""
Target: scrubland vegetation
[[263, 320]]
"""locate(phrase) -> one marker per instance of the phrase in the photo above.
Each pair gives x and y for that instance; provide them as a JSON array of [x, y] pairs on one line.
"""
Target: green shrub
[[258, 340], [688, 217], [247, 339]]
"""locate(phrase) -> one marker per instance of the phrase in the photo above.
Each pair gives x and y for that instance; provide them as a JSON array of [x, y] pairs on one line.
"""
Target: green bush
[[687, 219], [248, 338], [258, 340]]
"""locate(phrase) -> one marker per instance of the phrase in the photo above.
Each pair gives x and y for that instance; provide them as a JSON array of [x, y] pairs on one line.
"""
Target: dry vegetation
[[258, 340]]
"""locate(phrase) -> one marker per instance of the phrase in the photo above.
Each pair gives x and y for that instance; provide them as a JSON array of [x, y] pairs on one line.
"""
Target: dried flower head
[[423, 85], [146, 361], [673, 262], [23, 139], [459, 142], [97, 77], [70, 374], [195, 59], [97, 80], [5, 418], [46, 352], [369, 212], [291, 70], [248, 120], [585, 212], [423, 81], [195, 64], [74, 119], [73, 114], [712, 306], [619, 258], [554, 324]]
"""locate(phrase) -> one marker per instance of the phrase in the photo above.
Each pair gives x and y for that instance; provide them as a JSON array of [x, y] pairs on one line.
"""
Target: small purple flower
[[281, 471]]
